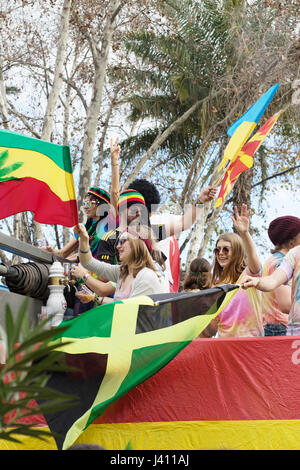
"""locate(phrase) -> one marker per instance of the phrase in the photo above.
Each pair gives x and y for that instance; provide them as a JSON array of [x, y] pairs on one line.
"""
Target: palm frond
[[30, 356]]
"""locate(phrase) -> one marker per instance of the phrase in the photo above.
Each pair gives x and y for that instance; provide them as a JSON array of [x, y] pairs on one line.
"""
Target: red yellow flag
[[244, 160]]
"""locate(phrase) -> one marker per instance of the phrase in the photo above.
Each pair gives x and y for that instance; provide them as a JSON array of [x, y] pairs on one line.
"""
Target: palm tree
[[209, 62], [176, 73]]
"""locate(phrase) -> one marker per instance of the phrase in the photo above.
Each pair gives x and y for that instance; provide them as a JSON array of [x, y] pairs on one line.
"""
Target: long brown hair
[[198, 276], [140, 256], [231, 273]]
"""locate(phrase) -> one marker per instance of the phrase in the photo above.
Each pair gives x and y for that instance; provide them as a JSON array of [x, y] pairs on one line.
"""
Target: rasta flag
[[244, 159], [36, 176], [117, 346]]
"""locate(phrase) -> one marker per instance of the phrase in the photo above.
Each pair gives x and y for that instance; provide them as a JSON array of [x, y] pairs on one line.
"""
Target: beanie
[[99, 193], [129, 197], [283, 229]]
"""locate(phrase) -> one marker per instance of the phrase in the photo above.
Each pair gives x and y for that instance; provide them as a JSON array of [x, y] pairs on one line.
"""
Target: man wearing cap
[[133, 210], [284, 233], [96, 206]]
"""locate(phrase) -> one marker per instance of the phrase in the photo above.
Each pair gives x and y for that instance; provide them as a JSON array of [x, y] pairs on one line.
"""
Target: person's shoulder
[[273, 261], [147, 273]]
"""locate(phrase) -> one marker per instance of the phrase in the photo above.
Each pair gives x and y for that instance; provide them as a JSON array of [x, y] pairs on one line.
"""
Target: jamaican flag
[[117, 346]]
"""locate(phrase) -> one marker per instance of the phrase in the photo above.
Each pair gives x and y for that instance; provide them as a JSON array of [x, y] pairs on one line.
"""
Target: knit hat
[[99, 193], [129, 197], [283, 229]]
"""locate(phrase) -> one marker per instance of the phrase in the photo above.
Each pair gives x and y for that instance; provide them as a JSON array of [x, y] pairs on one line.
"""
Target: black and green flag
[[117, 346]]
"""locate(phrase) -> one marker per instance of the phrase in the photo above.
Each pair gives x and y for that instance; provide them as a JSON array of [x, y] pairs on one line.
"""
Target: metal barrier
[[39, 262]]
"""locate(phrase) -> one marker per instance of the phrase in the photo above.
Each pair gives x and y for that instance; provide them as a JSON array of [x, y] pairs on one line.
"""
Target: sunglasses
[[89, 203], [218, 250]]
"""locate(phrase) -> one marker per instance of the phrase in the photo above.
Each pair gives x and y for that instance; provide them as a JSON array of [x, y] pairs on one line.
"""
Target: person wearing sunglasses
[[135, 210], [97, 204], [136, 274], [130, 205], [236, 257]]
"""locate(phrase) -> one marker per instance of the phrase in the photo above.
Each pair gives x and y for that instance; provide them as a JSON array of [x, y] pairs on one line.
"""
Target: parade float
[[192, 394]]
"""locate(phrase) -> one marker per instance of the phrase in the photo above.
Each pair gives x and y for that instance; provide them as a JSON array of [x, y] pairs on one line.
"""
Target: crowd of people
[[119, 257]]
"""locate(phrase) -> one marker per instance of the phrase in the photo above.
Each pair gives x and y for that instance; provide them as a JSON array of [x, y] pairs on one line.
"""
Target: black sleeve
[[107, 248]]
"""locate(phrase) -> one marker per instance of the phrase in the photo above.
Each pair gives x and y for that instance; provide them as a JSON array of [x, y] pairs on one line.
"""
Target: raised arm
[[66, 251], [242, 224], [115, 150], [188, 218]]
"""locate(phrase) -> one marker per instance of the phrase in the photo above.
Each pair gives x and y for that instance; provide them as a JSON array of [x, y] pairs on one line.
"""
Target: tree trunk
[[196, 234], [3, 102], [100, 62], [59, 63], [55, 91]]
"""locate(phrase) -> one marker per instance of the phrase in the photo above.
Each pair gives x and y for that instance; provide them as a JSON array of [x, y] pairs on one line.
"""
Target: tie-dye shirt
[[291, 266], [272, 312], [243, 315]]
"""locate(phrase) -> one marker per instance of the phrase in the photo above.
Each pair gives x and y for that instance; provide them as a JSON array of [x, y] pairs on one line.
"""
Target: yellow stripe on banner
[[181, 435], [39, 166]]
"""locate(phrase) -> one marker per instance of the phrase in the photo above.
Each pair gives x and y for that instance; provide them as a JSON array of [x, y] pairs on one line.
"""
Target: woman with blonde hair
[[236, 257], [229, 262], [137, 274]]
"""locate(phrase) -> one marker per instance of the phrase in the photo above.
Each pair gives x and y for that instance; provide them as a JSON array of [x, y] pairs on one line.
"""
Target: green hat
[[99, 193]]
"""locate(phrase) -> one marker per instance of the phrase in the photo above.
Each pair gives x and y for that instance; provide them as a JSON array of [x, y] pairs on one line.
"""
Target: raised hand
[[115, 150], [81, 231], [207, 194], [241, 222]]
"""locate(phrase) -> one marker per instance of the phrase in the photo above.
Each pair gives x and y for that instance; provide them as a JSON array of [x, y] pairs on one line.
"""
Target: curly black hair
[[148, 191]]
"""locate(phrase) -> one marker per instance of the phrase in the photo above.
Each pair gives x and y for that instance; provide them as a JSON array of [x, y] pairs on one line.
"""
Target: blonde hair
[[231, 273], [140, 256]]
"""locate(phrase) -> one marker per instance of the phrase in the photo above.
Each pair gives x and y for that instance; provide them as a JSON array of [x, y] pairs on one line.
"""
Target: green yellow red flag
[[36, 176], [244, 160]]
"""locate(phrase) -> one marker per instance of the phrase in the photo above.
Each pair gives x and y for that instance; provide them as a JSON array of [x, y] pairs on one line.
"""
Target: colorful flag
[[244, 160], [36, 176], [217, 394], [244, 126], [121, 344]]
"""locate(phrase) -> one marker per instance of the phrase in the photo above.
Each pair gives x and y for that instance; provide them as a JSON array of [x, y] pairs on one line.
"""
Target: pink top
[[124, 294], [243, 315]]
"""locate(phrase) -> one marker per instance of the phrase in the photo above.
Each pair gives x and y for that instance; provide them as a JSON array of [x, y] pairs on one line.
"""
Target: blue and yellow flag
[[241, 129]]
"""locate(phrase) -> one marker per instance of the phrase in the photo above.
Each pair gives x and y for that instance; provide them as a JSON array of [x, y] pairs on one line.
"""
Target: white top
[[147, 282]]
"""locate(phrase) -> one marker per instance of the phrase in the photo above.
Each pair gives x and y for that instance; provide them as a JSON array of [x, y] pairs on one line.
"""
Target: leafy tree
[[210, 64]]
